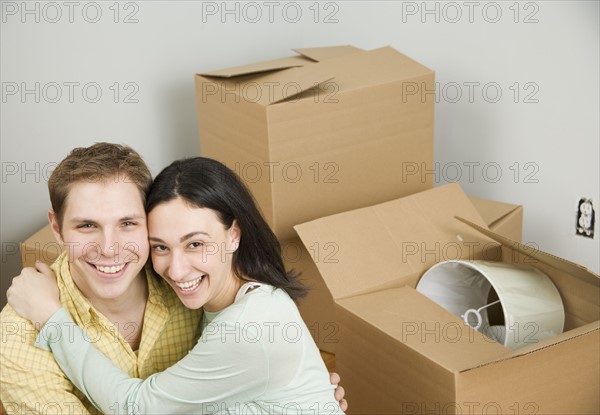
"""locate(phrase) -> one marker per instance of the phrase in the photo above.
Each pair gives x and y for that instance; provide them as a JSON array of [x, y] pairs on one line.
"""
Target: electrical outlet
[[586, 218]]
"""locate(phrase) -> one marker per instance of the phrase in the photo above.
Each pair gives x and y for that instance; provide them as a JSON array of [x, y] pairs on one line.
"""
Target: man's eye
[[85, 226], [129, 223]]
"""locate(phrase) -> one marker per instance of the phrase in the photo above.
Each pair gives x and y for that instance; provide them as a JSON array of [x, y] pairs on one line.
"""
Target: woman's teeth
[[189, 285], [110, 270]]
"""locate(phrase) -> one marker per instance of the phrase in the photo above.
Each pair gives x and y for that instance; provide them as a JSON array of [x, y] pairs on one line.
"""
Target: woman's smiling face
[[192, 250]]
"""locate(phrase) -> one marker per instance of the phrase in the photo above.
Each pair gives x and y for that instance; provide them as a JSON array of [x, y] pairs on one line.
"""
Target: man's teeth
[[110, 270], [189, 285]]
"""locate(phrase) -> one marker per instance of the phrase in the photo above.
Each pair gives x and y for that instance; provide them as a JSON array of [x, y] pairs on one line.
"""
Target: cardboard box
[[401, 353], [41, 245], [317, 308], [328, 130], [505, 219]]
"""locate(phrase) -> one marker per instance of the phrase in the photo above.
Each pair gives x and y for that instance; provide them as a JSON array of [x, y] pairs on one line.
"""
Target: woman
[[210, 243]]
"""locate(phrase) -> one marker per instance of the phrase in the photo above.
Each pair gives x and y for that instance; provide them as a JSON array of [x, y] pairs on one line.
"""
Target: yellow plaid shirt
[[30, 380]]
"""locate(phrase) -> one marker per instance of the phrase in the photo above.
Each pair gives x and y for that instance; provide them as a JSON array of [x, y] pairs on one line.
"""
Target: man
[[98, 195]]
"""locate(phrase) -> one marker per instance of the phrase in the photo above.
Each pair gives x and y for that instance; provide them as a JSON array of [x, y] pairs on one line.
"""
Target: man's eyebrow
[[133, 216], [183, 238], [81, 220]]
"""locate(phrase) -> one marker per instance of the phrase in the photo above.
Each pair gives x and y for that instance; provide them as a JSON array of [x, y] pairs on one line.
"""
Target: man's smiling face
[[104, 232]]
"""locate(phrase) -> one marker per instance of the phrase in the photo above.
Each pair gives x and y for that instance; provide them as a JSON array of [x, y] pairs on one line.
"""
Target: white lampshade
[[528, 305]]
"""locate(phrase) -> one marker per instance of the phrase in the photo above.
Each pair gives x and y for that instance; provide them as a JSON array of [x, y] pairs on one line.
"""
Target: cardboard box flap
[[492, 211], [569, 267], [542, 344], [288, 83], [410, 233], [380, 66], [273, 87], [320, 54], [272, 65], [353, 69], [419, 323], [308, 56]]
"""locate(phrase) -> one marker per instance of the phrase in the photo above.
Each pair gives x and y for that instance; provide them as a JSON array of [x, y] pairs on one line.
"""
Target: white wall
[[552, 143]]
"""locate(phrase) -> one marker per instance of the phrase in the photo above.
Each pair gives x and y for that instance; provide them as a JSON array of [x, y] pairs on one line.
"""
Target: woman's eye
[[195, 244], [159, 248]]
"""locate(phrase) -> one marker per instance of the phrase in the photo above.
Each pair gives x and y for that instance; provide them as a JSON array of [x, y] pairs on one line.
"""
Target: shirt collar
[[79, 307]]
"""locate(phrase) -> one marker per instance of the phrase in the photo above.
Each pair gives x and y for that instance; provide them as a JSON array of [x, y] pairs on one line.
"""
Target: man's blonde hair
[[97, 163]]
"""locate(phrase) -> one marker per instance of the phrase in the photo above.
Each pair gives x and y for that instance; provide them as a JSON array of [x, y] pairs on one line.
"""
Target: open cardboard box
[[317, 307], [328, 130], [401, 353]]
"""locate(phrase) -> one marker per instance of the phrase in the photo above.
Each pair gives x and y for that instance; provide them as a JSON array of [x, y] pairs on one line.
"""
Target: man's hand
[[34, 294], [339, 393]]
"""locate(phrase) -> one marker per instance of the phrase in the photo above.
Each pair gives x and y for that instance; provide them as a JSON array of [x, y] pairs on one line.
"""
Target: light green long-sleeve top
[[254, 357]]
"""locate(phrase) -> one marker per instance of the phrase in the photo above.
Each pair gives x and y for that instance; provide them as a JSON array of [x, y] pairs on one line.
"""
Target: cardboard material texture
[[328, 130], [317, 308], [505, 219], [401, 353], [41, 245]]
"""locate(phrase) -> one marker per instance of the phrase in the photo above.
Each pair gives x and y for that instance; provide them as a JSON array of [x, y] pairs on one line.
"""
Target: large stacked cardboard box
[[329, 130]]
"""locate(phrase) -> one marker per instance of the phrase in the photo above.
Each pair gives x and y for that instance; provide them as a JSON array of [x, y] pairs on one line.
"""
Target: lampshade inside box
[[515, 306]]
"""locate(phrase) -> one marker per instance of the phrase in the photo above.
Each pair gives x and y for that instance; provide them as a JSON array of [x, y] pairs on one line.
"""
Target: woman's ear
[[55, 226], [235, 235]]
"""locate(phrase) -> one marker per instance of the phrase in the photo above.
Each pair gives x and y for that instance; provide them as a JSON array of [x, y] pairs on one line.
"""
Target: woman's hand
[[339, 393], [34, 295]]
